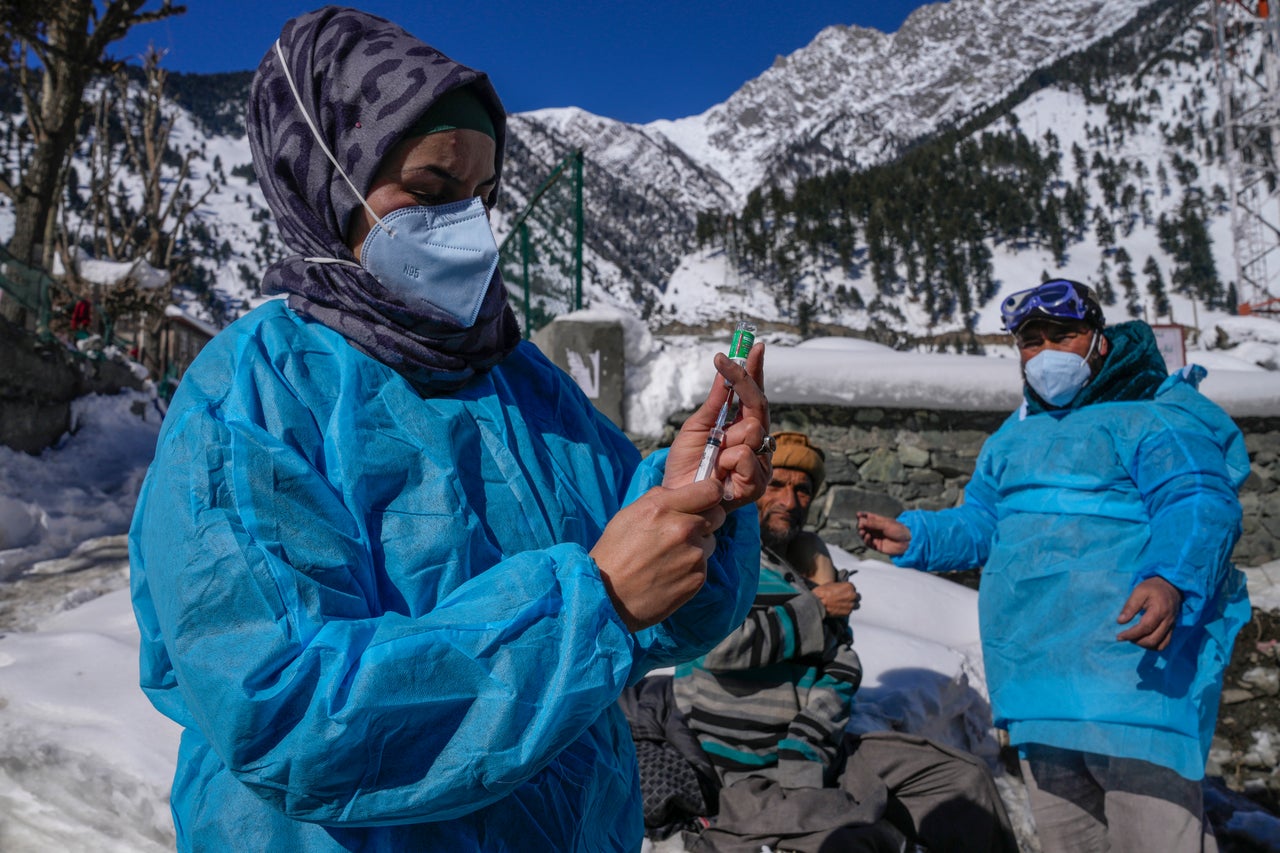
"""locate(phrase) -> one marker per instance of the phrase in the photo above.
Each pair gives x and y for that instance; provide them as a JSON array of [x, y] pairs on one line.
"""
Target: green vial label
[[742, 341]]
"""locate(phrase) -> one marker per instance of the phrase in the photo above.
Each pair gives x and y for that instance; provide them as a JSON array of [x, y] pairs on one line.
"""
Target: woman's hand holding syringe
[[653, 554], [717, 443]]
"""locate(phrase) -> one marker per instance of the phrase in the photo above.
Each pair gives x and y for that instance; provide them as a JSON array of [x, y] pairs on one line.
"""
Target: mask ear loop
[[1088, 356], [1093, 344], [284, 66]]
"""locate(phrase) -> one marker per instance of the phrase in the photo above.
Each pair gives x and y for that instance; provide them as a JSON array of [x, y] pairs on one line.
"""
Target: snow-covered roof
[[114, 273], [176, 313]]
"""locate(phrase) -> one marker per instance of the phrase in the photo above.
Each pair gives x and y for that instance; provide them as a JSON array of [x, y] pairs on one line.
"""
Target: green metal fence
[[40, 297], [541, 255]]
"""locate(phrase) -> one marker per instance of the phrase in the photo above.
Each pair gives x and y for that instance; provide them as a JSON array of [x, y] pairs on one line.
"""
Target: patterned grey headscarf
[[364, 81]]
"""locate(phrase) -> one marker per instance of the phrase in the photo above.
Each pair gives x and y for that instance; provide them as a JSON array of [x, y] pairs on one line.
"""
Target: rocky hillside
[[851, 99], [856, 97]]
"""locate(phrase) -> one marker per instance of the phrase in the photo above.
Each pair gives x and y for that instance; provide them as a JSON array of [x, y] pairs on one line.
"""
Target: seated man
[[770, 703]]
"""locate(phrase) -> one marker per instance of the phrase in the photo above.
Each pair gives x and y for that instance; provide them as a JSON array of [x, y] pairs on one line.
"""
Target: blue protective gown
[[375, 615], [1067, 512]]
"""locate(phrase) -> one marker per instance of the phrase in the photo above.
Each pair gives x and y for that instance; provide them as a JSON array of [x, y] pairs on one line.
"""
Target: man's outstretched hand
[[883, 534]]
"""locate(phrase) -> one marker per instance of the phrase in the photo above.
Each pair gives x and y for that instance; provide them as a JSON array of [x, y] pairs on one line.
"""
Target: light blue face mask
[[1057, 376], [442, 256]]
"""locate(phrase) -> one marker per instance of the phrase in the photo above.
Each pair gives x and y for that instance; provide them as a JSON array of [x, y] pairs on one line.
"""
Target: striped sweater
[[772, 699]]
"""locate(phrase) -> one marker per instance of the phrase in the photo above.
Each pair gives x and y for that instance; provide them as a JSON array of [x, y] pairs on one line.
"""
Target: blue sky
[[634, 60]]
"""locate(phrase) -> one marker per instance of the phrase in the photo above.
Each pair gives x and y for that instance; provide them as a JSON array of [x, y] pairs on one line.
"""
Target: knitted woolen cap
[[795, 451]]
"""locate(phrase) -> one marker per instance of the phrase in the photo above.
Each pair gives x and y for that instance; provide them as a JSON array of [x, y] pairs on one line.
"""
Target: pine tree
[[1198, 266], [1124, 274], [707, 228], [1102, 286], [1155, 289], [1080, 161], [1132, 302], [1104, 230], [1051, 230]]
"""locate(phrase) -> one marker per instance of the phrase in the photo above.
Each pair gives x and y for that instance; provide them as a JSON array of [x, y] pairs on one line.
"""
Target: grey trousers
[[1088, 803], [942, 797], [893, 790]]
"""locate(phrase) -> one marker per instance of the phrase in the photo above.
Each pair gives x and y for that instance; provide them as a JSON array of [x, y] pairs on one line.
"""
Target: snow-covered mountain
[[1124, 138], [642, 195], [854, 96], [852, 99], [1120, 98]]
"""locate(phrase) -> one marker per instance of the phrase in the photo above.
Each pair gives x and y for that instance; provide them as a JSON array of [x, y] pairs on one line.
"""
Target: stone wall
[[38, 383], [891, 460]]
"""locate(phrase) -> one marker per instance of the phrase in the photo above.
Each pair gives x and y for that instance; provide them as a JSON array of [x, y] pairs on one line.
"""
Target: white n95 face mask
[[442, 256], [1057, 376]]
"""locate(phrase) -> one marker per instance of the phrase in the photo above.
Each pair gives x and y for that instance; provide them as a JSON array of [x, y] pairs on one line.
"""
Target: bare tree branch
[[68, 40]]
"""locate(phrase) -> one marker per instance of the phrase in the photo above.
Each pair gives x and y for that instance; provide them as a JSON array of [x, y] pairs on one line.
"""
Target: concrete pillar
[[591, 351]]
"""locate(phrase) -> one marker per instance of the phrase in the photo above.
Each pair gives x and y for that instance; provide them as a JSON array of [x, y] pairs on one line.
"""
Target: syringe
[[744, 335]]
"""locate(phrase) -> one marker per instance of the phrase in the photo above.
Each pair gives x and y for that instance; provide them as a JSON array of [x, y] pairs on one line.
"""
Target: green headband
[[457, 109]]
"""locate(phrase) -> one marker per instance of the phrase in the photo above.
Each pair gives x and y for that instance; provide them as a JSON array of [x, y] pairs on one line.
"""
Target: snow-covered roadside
[[83, 488], [85, 762]]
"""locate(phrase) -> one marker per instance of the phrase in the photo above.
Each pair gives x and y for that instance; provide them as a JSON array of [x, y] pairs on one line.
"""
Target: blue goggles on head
[[1057, 299]]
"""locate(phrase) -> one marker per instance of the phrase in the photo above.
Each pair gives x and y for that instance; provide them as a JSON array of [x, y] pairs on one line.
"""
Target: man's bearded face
[[784, 506]]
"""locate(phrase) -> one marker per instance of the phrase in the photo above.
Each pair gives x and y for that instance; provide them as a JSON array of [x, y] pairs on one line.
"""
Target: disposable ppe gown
[[375, 615], [1067, 512]]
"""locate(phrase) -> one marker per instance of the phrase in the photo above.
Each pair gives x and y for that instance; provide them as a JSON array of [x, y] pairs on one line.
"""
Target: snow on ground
[[86, 763], [81, 489]]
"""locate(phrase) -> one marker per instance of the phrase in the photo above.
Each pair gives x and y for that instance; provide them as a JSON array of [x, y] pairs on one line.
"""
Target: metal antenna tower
[[1249, 88]]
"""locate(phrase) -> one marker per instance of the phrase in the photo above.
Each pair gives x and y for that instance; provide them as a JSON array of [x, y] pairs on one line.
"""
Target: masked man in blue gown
[[1103, 514]]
